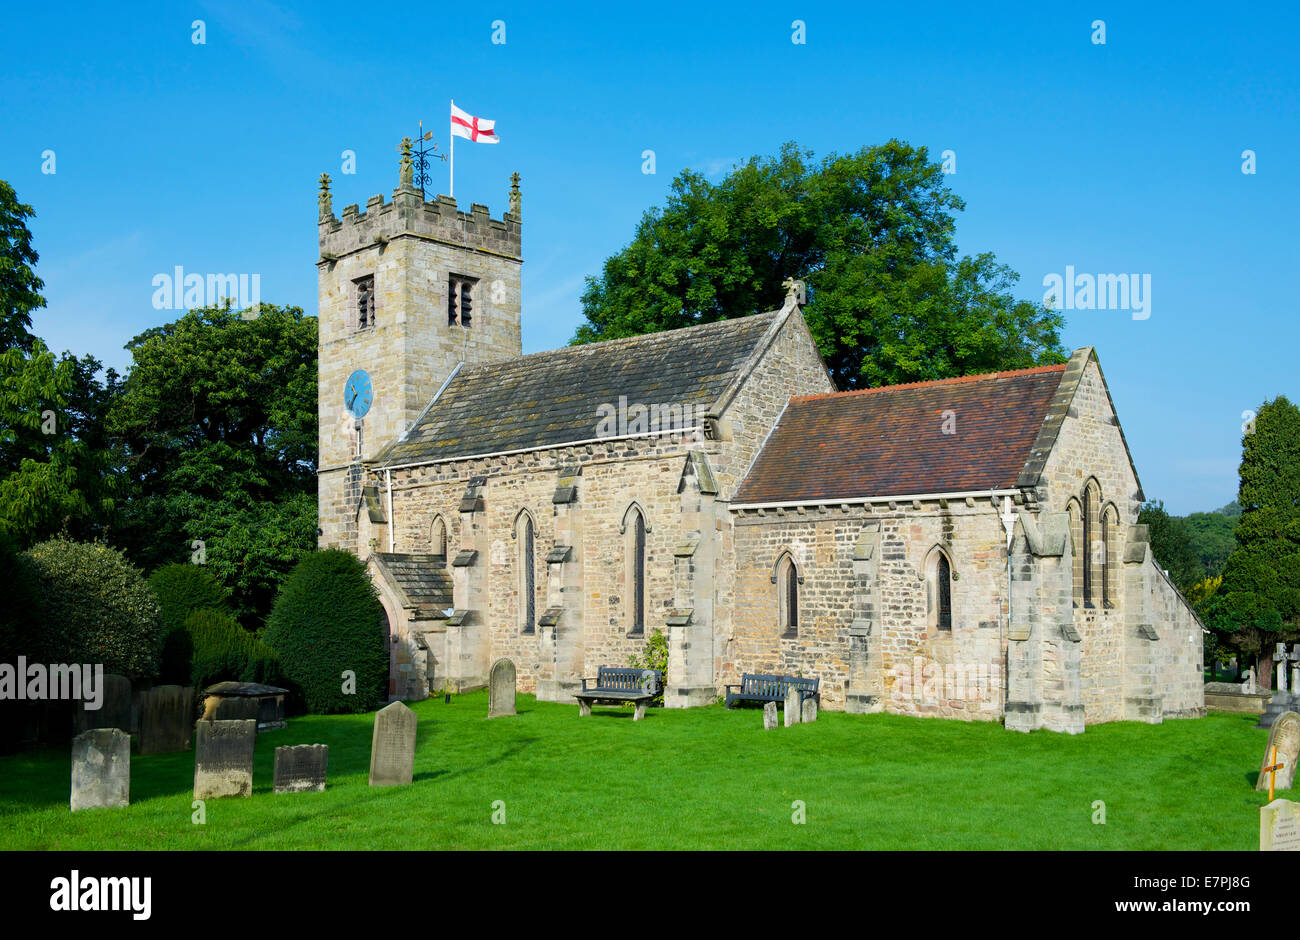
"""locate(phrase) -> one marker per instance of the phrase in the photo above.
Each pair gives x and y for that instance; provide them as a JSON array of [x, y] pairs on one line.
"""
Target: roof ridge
[[639, 337], [1035, 370]]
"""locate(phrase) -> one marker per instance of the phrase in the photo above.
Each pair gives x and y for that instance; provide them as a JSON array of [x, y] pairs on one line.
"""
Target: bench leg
[[640, 711], [584, 708]]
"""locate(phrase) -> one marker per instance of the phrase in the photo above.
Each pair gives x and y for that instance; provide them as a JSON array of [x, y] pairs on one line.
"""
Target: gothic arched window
[[787, 595], [939, 580], [634, 530], [525, 543], [438, 537]]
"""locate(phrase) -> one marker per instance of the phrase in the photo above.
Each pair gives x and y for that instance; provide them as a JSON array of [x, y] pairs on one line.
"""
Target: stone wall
[[910, 666]]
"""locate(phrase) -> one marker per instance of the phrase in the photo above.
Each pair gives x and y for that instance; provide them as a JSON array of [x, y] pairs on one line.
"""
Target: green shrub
[[327, 619], [225, 651], [19, 610], [654, 657], [100, 606], [180, 589]]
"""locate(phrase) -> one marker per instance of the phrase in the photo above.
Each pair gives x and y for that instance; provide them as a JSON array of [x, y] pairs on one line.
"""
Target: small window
[[527, 574], [634, 534], [1088, 547], [460, 300], [438, 538], [943, 576], [787, 600], [363, 299]]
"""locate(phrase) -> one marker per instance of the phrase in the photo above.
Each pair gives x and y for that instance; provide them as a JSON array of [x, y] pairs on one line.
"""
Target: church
[[964, 548]]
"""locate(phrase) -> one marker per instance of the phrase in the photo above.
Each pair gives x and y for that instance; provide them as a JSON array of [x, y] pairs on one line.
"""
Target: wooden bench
[[617, 686], [758, 688]]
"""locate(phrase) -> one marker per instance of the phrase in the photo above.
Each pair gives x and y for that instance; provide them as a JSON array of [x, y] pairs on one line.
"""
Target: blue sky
[[1117, 158]]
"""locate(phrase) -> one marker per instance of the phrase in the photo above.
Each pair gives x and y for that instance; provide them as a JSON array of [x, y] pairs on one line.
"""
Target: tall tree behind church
[[1258, 603], [871, 233], [217, 419]]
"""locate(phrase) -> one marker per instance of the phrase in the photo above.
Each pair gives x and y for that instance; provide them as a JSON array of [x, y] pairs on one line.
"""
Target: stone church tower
[[408, 290]]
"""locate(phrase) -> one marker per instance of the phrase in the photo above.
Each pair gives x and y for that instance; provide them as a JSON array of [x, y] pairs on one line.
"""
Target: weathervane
[[421, 158]]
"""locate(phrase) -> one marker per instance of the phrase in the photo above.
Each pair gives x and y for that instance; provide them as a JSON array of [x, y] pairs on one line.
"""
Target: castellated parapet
[[408, 215]]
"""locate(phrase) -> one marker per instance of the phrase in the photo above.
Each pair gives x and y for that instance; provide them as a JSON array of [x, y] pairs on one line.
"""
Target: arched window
[[1109, 526], [634, 530], [939, 578], [438, 537], [525, 542], [1087, 547], [787, 596]]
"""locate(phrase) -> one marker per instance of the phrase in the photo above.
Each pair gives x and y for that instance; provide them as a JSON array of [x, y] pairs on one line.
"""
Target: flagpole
[[451, 162]]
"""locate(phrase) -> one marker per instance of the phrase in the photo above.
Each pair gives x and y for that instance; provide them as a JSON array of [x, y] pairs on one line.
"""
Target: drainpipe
[[388, 481]]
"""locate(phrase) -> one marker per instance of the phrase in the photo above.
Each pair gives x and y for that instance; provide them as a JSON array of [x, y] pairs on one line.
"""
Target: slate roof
[[889, 441], [553, 398], [421, 581]]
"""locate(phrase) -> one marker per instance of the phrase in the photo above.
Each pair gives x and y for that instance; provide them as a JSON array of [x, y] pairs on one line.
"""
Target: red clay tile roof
[[889, 441]]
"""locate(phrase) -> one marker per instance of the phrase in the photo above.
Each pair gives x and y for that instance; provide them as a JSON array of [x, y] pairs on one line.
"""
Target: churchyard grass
[[704, 778]]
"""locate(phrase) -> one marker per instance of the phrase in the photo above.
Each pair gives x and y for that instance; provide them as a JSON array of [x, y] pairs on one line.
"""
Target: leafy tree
[[871, 233], [217, 424], [1212, 538], [1258, 603], [1171, 544], [97, 608], [180, 590], [19, 286], [225, 651], [327, 620]]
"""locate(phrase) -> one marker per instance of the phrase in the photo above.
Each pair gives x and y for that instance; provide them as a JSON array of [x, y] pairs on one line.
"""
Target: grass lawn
[[703, 778]]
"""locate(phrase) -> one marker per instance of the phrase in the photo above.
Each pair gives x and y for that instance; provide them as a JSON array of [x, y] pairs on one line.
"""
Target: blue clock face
[[357, 393]]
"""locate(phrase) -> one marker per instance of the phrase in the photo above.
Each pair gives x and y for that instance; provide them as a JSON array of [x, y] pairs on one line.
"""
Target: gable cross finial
[[795, 292], [515, 200]]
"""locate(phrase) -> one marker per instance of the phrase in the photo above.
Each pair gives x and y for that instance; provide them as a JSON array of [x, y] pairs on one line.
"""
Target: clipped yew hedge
[[327, 620], [180, 590]]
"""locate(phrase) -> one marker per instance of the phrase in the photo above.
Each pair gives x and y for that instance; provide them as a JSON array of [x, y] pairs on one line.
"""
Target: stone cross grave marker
[[769, 716], [501, 689], [1279, 827], [223, 758], [300, 768], [1284, 736], [392, 747], [793, 706], [101, 769], [114, 710], [166, 716]]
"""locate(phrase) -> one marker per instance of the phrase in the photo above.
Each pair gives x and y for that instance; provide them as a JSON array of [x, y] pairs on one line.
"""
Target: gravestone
[[114, 710], [166, 716], [501, 689], [101, 769], [1279, 827], [1285, 735], [300, 768], [769, 716], [223, 758], [392, 747], [809, 712], [793, 706]]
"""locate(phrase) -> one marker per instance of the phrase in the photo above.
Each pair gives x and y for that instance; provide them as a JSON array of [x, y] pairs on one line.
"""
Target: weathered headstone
[[769, 716], [166, 716], [809, 712], [114, 708], [300, 768], [1285, 736], [501, 689], [1279, 827], [392, 747], [223, 758], [793, 706], [101, 769]]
